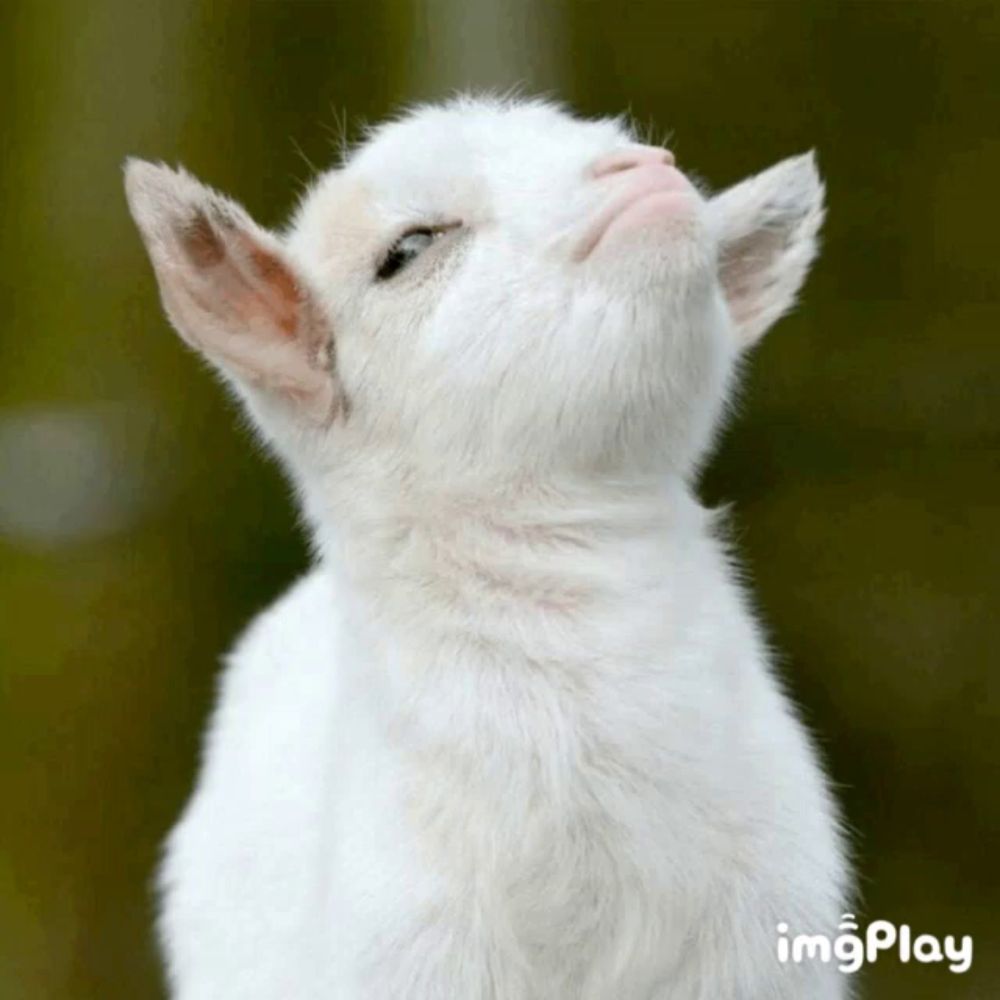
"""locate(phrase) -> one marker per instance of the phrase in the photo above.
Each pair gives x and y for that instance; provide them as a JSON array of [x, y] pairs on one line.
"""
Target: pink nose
[[629, 159]]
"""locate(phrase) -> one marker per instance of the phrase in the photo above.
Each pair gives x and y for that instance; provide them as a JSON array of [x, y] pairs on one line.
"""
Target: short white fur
[[516, 735]]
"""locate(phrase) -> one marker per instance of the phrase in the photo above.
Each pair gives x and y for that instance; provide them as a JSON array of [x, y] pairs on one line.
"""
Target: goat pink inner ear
[[768, 228], [201, 244], [743, 278], [229, 288], [286, 291]]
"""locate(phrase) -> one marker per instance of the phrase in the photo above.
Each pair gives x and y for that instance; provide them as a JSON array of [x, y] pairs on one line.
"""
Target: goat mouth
[[645, 192]]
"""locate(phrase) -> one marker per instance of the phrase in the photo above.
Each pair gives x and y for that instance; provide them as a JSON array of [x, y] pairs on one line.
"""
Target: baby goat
[[516, 736]]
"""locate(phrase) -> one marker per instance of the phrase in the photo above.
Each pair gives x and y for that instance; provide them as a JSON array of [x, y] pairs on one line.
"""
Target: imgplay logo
[[852, 950]]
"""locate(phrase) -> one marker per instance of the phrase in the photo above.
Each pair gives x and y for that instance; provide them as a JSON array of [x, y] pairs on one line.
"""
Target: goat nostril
[[615, 163], [629, 159], [617, 168]]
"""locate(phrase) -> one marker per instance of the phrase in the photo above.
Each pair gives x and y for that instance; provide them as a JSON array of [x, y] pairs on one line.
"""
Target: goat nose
[[629, 159]]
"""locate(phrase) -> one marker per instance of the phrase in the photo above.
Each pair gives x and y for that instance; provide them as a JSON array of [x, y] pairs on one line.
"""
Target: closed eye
[[407, 248]]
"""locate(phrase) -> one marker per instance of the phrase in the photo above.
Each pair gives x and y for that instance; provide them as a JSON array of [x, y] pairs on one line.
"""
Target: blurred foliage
[[140, 528]]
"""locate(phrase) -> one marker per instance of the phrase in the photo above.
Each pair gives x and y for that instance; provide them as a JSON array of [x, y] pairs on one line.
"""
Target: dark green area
[[863, 461]]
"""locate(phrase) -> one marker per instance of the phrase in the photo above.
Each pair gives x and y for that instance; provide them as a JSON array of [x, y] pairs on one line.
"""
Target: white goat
[[515, 737]]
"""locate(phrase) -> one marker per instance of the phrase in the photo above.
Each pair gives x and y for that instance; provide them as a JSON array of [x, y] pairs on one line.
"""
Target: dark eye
[[407, 248]]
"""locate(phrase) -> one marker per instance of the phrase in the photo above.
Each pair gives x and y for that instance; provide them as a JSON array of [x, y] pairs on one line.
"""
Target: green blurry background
[[140, 528]]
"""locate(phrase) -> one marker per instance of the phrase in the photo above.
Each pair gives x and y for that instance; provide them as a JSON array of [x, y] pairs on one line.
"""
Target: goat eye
[[407, 248]]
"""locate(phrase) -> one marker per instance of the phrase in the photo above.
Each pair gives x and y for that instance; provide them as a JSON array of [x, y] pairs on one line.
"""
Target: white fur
[[515, 737]]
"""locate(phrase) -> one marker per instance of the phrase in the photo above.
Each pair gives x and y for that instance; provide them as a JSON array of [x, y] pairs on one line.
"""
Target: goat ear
[[768, 227], [230, 291]]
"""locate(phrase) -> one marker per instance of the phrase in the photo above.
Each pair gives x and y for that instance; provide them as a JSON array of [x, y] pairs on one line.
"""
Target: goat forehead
[[495, 144]]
